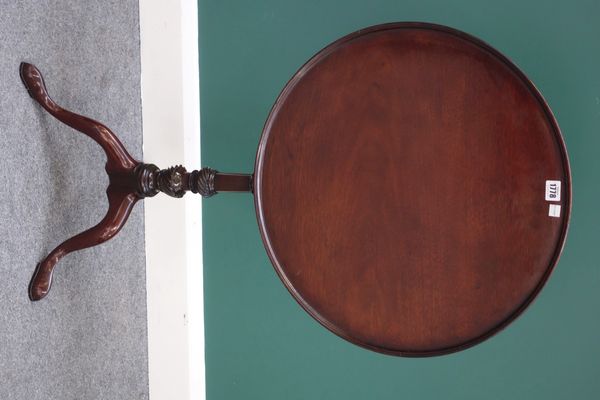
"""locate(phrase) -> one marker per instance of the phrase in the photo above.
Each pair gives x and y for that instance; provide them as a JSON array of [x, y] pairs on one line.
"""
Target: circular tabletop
[[412, 189]]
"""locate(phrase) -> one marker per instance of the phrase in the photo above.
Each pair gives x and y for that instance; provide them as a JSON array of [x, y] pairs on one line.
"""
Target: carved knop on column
[[203, 182], [170, 181], [174, 181]]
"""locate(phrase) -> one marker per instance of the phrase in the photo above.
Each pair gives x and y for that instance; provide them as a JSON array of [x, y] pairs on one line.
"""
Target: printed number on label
[[552, 190]]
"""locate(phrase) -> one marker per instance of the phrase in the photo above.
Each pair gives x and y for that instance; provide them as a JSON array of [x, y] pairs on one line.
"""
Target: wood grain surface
[[400, 189]]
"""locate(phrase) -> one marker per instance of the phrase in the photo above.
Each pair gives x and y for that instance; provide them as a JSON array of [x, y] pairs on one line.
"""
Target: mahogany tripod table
[[411, 186]]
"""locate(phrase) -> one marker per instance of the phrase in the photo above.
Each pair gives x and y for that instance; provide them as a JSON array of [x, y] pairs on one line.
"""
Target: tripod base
[[130, 180]]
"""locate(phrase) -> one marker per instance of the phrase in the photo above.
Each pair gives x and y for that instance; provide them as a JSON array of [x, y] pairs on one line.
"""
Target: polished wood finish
[[129, 181], [233, 182], [400, 189]]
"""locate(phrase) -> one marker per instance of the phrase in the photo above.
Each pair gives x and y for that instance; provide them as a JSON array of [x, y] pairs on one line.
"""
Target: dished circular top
[[403, 189]]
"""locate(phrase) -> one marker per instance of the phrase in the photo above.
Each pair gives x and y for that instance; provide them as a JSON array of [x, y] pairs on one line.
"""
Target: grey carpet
[[87, 339]]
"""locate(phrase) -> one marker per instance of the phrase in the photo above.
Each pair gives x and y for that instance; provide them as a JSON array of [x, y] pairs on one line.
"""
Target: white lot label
[[553, 190], [554, 210]]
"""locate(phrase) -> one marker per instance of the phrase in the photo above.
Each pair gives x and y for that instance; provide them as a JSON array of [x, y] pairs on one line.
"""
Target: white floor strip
[[171, 122]]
